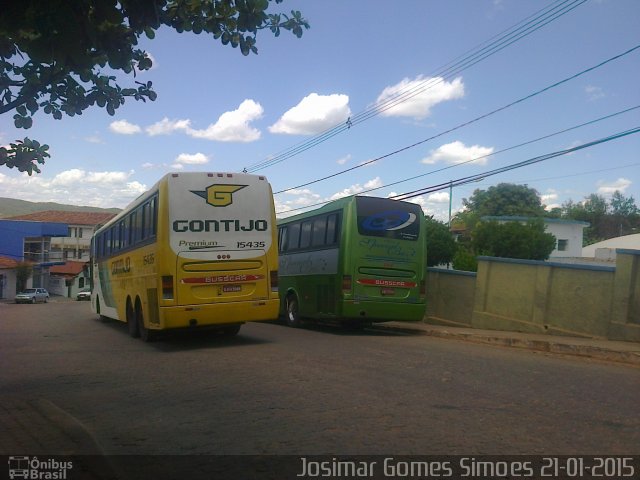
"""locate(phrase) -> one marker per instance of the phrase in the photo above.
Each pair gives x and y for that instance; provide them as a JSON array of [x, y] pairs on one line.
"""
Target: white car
[[32, 295], [84, 295]]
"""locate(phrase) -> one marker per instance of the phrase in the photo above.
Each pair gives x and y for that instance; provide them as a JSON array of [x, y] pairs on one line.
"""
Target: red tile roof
[[69, 268], [70, 218], [6, 262]]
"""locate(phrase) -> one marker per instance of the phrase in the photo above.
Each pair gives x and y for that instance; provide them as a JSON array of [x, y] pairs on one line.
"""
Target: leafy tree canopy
[[440, 244], [504, 199], [514, 240], [53, 54], [607, 218]]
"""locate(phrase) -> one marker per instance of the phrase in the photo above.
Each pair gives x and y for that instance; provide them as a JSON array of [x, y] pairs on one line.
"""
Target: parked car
[[84, 295], [32, 295]]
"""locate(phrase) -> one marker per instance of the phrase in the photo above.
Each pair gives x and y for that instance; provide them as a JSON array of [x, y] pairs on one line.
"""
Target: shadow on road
[[188, 339], [375, 330]]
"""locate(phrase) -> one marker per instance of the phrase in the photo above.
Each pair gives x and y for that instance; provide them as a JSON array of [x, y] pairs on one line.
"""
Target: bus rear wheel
[[293, 311], [144, 333], [231, 330], [132, 322]]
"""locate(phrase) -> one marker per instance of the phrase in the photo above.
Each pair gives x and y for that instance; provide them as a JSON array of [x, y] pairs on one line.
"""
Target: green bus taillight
[[347, 284]]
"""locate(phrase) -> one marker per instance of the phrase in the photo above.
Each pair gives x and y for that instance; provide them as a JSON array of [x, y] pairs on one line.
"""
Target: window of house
[[563, 245]]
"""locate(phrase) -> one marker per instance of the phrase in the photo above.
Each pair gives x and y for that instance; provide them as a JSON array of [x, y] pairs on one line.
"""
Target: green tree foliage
[[465, 260], [607, 219], [514, 240], [61, 56], [504, 199], [440, 243]]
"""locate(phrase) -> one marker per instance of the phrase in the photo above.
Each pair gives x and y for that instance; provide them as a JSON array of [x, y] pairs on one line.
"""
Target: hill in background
[[11, 207]]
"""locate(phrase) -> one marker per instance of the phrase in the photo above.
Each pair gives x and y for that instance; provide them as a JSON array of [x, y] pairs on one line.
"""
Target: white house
[[606, 250], [568, 233]]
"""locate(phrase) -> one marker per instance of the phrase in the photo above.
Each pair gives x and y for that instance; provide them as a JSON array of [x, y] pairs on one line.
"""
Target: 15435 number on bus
[[250, 245]]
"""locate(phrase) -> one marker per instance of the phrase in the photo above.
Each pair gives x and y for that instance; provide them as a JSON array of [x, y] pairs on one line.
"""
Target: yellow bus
[[196, 250]]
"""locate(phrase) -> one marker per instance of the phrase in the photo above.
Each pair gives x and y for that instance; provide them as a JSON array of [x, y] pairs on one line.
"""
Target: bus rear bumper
[[372, 311], [219, 314]]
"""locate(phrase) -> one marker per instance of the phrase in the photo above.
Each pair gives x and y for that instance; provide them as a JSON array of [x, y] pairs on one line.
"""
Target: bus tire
[[231, 331], [101, 317], [144, 333], [292, 313], [132, 323]]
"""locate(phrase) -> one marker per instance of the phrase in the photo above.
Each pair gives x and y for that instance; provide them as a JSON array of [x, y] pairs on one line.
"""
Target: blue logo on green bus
[[391, 220]]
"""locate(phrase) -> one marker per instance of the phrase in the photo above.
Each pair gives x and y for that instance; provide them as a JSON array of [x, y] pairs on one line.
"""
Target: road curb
[[549, 346], [557, 345]]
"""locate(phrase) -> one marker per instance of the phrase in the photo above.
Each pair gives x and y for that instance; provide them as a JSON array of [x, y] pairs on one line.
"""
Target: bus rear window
[[382, 217]]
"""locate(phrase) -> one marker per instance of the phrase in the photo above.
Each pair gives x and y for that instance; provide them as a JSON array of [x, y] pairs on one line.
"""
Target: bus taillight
[[346, 284], [423, 288], [167, 287], [273, 275]]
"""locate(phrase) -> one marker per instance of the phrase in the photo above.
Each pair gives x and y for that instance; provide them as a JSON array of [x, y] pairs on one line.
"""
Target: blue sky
[[219, 111]]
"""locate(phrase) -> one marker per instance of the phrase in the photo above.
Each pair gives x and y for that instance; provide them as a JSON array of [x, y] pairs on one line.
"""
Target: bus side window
[[146, 221], [115, 235], [132, 228], [154, 216], [332, 230], [283, 239], [319, 231], [294, 236], [305, 234], [123, 234]]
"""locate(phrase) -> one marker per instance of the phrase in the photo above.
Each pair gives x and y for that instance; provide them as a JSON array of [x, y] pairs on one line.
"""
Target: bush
[[465, 260]]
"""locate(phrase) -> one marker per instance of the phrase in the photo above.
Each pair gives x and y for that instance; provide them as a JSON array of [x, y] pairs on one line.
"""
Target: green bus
[[356, 261]]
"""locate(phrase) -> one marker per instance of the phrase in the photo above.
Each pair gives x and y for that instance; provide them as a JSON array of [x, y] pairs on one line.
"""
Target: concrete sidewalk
[[607, 350]]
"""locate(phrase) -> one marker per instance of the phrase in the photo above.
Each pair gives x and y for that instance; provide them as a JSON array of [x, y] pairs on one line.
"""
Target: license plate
[[387, 291], [231, 288]]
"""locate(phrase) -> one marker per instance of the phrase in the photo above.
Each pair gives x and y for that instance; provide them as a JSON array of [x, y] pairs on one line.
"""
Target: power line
[[524, 163], [481, 176], [481, 117], [472, 57], [575, 127]]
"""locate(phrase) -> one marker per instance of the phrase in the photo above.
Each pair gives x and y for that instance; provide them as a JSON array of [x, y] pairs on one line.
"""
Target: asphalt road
[[320, 390]]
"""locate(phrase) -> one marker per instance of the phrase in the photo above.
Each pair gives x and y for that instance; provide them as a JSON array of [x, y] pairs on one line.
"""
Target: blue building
[[22, 240]]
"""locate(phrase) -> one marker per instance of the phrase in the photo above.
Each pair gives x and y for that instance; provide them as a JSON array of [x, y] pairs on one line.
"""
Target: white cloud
[[94, 139], [123, 127], [314, 114], [343, 160], [233, 126], [424, 93], [192, 159], [167, 127], [594, 93], [546, 198], [609, 188], [99, 189], [438, 197], [306, 197], [357, 188], [456, 152]]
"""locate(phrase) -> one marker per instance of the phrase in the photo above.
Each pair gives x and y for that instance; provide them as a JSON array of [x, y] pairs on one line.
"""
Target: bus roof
[[151, 191], [328, 207]]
